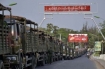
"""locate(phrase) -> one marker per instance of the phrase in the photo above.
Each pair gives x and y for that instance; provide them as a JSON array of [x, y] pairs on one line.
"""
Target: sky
[[33, 10]]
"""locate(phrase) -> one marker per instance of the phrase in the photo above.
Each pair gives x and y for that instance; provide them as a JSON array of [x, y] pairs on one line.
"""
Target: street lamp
[[98, 28], [102, 40], [12, 4], [102, 46], [96, 25], [45, 19], [96, 17]]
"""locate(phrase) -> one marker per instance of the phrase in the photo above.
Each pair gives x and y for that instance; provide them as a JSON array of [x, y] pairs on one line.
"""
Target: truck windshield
[[17, 27], [11, 25], [12, 30]]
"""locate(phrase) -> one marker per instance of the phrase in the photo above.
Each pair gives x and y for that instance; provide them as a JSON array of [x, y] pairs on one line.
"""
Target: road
[[77, 63]]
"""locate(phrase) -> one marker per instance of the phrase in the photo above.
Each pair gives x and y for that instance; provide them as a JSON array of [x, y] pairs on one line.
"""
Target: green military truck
[[55, 45], [46, 43], [5, 49], [23, 43], [60, 55], [71, 50], [57, 49], [68, 53], [64, 51]]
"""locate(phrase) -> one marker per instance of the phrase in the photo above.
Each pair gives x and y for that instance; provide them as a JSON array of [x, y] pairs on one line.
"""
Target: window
[[17, 25]]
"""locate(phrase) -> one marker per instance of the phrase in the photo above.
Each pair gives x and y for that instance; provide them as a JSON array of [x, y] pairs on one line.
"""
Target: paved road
[[78, 63]]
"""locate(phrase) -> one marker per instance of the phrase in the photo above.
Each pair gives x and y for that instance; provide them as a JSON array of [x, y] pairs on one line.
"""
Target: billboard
[[97, 46], [77, 38], [67, 8]]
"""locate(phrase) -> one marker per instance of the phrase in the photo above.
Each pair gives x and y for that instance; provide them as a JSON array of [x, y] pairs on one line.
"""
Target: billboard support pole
[[45, 19], [42, 22], [98, 29], [51, 9]]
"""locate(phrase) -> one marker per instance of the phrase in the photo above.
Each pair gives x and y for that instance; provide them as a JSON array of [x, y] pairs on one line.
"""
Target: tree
[[49, 28], [55, 30], [102, 25]]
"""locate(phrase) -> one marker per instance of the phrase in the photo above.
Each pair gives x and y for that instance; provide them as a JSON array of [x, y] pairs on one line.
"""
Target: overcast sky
[[33, 10]]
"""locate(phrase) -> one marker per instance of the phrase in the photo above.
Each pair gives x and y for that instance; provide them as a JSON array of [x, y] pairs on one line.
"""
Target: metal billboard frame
[[84, 13]]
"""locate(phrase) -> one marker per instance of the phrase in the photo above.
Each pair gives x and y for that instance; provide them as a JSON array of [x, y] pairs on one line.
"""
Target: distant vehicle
[[88, 54]]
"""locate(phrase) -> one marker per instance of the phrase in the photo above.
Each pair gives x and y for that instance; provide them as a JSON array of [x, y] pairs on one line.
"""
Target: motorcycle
[[88, 55]]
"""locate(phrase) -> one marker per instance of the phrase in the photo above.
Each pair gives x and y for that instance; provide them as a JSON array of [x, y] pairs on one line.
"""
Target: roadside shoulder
[[100, 64]]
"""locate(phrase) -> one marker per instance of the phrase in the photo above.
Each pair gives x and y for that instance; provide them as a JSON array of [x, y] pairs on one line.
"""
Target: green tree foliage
[[55, 30], [102, 26], [49, 28], [93, 34]]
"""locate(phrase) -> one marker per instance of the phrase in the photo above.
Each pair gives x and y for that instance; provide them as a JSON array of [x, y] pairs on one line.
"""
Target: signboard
[[67, 8], [77, 38], [97, 46]]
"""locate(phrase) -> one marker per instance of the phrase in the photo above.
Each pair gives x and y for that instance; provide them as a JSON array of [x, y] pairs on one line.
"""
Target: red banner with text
[[68, 8], [77, 38]]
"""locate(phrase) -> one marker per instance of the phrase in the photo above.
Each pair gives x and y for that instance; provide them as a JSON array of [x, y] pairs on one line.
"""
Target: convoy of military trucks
[[23, 45]]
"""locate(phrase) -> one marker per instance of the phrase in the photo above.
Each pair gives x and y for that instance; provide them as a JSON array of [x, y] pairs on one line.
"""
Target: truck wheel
[[1, 65], [43, 62], [21, 63], [53, 59], [68, 58], [15, 67], [61, 58], [34, 62], [64, 57]]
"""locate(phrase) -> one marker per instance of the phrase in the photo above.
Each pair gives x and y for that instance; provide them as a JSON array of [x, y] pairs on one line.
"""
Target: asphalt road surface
[[78, 63]]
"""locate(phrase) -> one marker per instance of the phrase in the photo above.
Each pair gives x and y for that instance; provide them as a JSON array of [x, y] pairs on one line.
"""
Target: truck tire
[[64, 57], [46, 58], [68, 58], [20, 63], [34, 62], [43, 62], [1, 65]]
